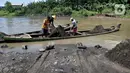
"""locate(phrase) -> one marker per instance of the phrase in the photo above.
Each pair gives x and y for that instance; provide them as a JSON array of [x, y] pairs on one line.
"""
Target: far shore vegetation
[[81, 8]]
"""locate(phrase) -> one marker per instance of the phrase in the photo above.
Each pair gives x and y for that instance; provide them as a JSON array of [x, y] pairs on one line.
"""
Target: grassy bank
[[65, 11], [61, 11], [3, 13], [6, 13]]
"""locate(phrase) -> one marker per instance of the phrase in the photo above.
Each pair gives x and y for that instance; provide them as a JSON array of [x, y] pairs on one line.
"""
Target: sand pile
[[121, 53], [98, 29]]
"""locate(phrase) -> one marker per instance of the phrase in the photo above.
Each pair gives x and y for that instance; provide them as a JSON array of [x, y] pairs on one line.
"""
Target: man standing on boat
[[45, 26], [74, 27], [48, 25]]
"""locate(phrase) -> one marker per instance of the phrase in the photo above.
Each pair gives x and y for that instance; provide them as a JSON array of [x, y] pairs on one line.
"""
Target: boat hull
[[15, 40]]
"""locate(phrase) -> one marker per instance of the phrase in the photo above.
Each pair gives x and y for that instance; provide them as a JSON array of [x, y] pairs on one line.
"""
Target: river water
[[25, 24]]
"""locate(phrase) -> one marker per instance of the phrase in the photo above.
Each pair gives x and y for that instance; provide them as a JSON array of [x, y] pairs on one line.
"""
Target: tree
[[8, 6]]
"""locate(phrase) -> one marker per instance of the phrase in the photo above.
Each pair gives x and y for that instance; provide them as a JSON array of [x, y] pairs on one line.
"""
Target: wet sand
[[63, 59]]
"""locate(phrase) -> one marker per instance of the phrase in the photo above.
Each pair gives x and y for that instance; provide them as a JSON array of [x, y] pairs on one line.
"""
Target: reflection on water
[[24, 24], [19, 24]]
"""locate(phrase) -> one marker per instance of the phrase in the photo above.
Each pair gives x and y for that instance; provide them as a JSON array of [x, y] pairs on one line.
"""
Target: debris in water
[[4, 46], [81, 46], [59, 70], [49, 47], [42, 50], [98, 46], [13, 59], [25, 47], [55, 62]]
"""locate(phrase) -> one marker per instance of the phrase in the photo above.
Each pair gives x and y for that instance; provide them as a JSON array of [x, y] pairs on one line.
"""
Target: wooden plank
[[38, 63]]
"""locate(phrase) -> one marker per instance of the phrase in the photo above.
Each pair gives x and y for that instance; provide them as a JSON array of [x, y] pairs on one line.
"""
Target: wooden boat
[[37, 35]]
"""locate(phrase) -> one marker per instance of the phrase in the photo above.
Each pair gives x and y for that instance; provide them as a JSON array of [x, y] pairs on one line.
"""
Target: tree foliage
[[65, 7], [8, 6]]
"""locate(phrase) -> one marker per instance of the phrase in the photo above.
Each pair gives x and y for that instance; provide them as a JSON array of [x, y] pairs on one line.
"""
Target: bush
[[127, 12], [67, 11], [12, 14], [107, 10], [83, 12], [61, 11], [127, 15], [6, 13], [3, 13], [75, 13], [19, 13], [56, 11]]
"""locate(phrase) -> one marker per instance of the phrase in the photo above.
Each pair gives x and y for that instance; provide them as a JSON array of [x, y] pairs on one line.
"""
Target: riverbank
[[63, 58], [121, 53], [7, 14], [91, 15]]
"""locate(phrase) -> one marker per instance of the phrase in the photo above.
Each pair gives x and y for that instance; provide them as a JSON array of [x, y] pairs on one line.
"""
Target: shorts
[[45, 31], [74, 30]]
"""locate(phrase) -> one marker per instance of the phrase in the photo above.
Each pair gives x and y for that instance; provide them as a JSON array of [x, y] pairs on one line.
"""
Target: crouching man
[[74, 26]]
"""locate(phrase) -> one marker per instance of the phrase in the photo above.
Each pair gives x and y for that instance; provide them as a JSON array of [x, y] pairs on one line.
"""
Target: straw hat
[[71, 18], [54, 16]]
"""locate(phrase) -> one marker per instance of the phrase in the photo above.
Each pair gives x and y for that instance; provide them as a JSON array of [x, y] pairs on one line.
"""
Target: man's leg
[[42, 32], [74, 31], [46, 32]]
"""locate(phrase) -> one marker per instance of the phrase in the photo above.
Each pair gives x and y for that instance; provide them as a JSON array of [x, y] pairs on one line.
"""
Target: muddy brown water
[[23, 24]]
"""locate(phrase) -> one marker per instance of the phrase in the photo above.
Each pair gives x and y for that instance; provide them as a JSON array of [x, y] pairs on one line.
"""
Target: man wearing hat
[[74, 27], [45, 26]]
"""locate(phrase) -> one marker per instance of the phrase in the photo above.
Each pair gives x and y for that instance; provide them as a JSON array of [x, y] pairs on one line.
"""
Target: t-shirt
[[74, 23], [45, 24]]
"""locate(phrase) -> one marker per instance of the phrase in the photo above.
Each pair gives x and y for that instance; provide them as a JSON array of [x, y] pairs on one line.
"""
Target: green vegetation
[[61, 11], [127, 15], [84, 12], [3, 13], [64, 8]]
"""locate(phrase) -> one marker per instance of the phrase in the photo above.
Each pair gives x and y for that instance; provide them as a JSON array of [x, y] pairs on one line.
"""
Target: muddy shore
[[121, 53], [63, 59]]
